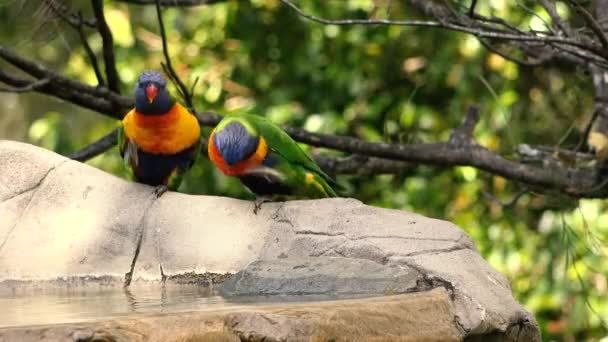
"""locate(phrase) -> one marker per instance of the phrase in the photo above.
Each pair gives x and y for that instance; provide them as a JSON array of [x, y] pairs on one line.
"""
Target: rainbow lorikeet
[[266, 159], [159, 139]]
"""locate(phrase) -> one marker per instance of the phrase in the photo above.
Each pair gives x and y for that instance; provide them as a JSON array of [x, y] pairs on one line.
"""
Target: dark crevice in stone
[[428, 282], [310, 232], [401, 238], [35, 186], [522, 330], [455, 248], [141, 228], [325, 234], [203, 279], [281, 218]]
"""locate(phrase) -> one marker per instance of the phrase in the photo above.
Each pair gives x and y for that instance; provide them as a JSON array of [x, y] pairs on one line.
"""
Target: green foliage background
[[379, 83]]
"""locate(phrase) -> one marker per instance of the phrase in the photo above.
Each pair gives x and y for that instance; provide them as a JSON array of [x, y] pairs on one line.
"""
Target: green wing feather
[[128, 152], [282, 144]]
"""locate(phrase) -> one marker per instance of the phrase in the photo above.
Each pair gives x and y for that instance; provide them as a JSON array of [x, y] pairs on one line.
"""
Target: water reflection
[[29, 305], [64, 304]]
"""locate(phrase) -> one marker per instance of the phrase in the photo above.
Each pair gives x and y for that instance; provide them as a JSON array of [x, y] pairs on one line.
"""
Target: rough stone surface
[[321, 276], [62, 219]]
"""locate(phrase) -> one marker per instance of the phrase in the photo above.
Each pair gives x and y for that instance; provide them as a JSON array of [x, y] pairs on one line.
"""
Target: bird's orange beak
[[151, 92]]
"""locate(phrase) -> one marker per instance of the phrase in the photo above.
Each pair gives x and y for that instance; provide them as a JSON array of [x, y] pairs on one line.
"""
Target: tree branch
[[61, 10], [549, 6], [362, 165], [587, 131], [88, 50], [472, 8], [595, 27], [576, 182], [510, 202], [25, 88], [497, 34], [98, 147], [174, 3], [108, 46], [168, 67], [99, 99]]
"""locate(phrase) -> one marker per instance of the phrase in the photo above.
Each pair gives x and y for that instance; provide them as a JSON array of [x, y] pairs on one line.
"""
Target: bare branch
[[175, 3], [593, 24], [472, 8], [587, 131], [108, 46], [99, 99], [362, 165], [540, 37], [508, 203], [186, 94], [353, 165], [60, 10], [577, 182], [513, 59], [89, 51], [549, 6], [98, 147], [26, 88], [77, 22]]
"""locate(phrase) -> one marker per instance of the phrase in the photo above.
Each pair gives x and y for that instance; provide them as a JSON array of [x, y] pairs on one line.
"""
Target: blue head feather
[[163, 101], [235, 143]]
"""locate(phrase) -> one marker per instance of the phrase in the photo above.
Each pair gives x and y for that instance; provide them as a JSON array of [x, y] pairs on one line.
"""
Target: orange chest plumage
[[167, 134], [239, 168]]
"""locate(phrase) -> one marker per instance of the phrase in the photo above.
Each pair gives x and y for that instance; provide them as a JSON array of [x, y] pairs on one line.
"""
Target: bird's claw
[[257, 204], [160, 190]]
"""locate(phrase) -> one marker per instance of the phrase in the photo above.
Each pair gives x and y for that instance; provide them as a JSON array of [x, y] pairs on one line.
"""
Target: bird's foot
[[257, 204], [160, 190]]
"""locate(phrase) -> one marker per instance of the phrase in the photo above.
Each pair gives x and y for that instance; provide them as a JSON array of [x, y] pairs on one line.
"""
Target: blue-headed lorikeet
[[266, 159], [159, 139]]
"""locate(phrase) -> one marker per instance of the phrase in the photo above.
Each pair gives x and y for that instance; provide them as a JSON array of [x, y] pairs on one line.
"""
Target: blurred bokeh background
[[378, 83]]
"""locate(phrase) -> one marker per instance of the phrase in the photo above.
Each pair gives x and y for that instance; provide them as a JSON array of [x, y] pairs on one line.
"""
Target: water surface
[[23, 306], [31, 305]]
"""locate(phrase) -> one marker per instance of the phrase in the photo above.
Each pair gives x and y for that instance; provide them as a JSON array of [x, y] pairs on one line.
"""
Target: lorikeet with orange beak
[[266, 159], [159, 139]]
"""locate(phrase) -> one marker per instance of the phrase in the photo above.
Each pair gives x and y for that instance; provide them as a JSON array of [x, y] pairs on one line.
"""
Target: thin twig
[[70, 18], [89, 51], [169, 67], [587, 131], [99, 99], [96, 148], [595, 27], [549, 6], [546, 37], [472, 8], [26, 88], [78, 23], [176, 3], [107, 46], [510, 202], [513, 59]]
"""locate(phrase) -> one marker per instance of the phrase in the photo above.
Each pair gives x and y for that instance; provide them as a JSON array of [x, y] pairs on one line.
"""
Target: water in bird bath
[[46, 305], [30, 303]]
